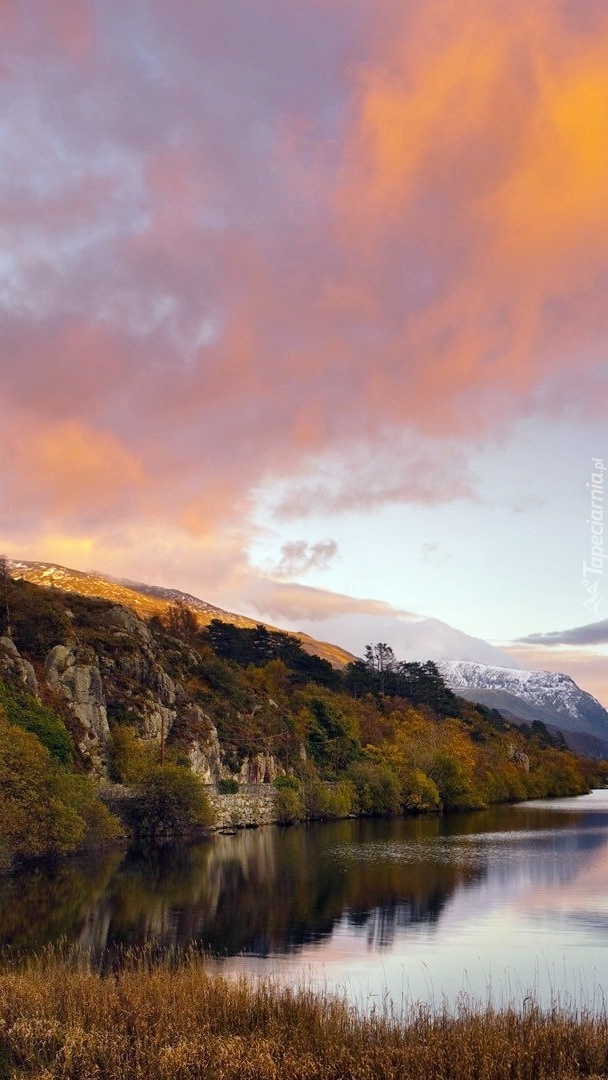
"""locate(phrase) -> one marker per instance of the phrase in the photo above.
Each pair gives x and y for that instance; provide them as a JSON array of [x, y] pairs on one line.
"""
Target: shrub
[[45, 810], [287, 782], [26, 712], [131, 758], [228, 786], [419, 792], [171, 801], [341, 799], [316, 800], [456, 788], [289, 805], [377, 788]]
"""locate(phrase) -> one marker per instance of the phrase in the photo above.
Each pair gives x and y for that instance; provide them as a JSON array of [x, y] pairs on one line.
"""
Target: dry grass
[[170, 1018]]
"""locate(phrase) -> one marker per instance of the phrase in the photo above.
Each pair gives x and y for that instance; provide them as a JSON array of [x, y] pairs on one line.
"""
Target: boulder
[[518, 757], [14, 669]]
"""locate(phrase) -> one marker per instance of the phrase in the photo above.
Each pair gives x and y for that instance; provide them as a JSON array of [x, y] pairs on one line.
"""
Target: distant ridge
[[526, 696], [149, 600]]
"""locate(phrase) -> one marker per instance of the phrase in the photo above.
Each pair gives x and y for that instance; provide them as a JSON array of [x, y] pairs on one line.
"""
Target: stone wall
[[252, 804]]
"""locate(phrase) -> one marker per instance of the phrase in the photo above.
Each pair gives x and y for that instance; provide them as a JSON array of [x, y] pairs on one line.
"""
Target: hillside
[[90, 692], [149, 600]]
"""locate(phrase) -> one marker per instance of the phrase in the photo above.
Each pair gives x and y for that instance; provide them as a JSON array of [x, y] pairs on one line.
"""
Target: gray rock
[[15, 669], [82, 688], [122, 619], [202, 746], [259, 769]]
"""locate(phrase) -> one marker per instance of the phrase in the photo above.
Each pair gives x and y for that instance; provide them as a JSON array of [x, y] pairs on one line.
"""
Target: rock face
[[259, 769], [203, 748], [114, 670], [15, 669], [80, 684]]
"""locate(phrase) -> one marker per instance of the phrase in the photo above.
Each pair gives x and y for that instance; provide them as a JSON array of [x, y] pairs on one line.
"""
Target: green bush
[[131, 757], [229, 786], [170, 801], [456, 788], [26, 712], [322, 801], [45, 810], [289, 805], [418, 792], [341, 799], [377, 788], [316, 800], [291, 782]]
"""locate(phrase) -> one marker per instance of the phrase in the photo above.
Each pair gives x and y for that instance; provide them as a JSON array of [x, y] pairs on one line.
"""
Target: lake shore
[[168, 1017]]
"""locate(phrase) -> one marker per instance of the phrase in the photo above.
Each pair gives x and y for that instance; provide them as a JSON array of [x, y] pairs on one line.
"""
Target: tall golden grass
[[169, 1018]]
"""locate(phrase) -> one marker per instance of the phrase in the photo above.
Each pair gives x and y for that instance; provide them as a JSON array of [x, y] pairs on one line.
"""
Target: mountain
[[526, 696], [149, 600], [411, 637]]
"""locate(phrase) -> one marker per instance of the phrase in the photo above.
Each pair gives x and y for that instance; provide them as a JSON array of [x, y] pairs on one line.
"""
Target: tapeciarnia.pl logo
[[593, 571]]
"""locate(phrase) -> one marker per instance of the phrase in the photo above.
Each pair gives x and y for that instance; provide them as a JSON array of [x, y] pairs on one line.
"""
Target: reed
[[164, 1017]]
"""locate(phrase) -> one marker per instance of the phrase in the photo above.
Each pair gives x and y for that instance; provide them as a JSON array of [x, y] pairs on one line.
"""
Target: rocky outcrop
[[125, 622], [81, 686], [16, 670], [114, 670], [259, 769], [202, 746], [518, 757]]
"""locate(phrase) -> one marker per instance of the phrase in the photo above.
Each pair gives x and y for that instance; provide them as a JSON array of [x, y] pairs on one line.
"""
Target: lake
[[503, 904]]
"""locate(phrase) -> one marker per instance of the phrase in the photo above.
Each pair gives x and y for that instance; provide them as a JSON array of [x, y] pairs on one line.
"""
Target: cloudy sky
[[303, 308]]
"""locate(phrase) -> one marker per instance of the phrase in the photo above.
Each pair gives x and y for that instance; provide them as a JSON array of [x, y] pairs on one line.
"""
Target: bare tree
[[5, 578], [380, 658], [181, 621]]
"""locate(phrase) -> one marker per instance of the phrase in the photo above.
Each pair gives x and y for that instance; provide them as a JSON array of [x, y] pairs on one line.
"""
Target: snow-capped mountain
[[531, 695]]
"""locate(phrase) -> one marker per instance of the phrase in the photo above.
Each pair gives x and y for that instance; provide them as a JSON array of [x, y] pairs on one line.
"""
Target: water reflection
[[272, 891], [502, 887]]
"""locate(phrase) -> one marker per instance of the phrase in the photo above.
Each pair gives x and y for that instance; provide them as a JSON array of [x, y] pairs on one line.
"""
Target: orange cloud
[[475, 176], [420, 105], [554, 199], [73, 469]]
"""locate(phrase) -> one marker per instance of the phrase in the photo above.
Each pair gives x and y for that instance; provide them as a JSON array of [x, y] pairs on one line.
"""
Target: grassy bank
[[61, 1018]]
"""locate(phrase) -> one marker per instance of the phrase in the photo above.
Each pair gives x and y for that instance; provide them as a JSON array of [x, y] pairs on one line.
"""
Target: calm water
[[502, 903]]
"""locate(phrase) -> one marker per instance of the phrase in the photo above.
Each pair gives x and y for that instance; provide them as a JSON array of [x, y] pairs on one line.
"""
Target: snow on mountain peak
[[556, 697]]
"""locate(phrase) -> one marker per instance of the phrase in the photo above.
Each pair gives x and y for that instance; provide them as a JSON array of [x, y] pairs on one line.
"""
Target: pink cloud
[[281, 600], [272, 244]]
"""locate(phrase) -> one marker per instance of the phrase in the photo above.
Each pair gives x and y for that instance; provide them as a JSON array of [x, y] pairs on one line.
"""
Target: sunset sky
[[304, 309]]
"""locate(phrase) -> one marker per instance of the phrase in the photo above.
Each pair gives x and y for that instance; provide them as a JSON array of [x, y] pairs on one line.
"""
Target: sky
[[303, 310]]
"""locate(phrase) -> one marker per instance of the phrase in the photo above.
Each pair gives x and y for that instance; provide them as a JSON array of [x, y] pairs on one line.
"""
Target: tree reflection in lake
[[495, 887], [269, 891]]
